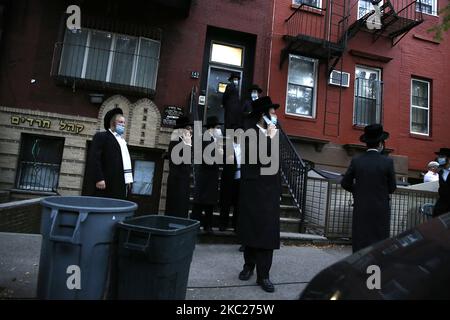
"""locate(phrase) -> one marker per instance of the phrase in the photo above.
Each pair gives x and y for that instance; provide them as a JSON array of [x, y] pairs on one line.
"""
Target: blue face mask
[[120, 129], [274, 120], [442, 161]]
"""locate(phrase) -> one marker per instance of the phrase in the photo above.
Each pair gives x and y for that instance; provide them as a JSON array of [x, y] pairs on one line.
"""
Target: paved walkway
[[213, 275]]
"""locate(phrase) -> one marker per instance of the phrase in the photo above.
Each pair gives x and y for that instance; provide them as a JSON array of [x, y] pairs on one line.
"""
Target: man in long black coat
[[443, 204], [231, 102], [105, 167], [230, 185], [207, 178], [178, 181], [259, 206], [371, 180]]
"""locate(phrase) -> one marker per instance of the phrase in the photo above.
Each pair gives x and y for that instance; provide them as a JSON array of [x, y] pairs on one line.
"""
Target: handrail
[[294, 172]]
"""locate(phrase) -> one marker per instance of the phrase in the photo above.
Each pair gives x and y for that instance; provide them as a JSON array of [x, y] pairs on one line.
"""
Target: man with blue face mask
[[443, 203], [109, 171]]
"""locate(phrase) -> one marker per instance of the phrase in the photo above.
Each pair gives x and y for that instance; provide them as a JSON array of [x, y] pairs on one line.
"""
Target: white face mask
[[236, 82], [254, 95]]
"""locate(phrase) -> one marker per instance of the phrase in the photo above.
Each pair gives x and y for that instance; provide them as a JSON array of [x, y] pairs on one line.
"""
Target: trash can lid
[[90, 204]]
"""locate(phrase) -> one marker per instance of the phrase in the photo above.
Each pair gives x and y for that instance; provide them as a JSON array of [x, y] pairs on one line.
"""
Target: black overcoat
[[206, 182], [259, 203], [232, 107], [443, 204], [105, 163], [178, 185], [370, 178], [227, 181]]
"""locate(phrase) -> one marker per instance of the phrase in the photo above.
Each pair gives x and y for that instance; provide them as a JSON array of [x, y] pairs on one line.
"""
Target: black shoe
[[245, 274], [242, 248], [207, 229], [222, 229], [266, 285]]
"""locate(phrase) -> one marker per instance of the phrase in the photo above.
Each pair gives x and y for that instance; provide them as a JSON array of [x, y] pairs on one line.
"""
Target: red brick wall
[[30, 38], [411, 57], [21, 216]]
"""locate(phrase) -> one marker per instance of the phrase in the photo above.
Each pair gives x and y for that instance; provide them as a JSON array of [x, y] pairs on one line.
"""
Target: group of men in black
[[255, 197]]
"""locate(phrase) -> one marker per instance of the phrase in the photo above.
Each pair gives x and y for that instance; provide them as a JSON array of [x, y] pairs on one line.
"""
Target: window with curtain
[[420, 107], [109, 57], [301, 87]]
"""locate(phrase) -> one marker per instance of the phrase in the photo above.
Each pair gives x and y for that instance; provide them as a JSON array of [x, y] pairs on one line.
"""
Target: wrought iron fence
[[329, 208], [36, 176], [294, 172]]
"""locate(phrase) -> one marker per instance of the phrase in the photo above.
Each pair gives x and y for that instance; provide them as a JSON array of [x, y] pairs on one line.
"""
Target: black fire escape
[[324, 32]]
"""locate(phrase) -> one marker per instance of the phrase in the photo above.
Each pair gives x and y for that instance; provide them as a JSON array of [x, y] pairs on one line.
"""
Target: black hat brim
[[109, 115], [213, 124], [443, 152], [381, 137]]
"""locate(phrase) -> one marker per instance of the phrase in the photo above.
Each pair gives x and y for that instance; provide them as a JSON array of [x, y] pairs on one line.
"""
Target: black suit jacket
[[105, 163], [370, 178], [443, 204]]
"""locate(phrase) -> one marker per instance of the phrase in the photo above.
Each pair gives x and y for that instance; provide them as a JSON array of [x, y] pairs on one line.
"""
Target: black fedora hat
[[262, 105], [374, 133], [255, 87], [444, 152], [183, 122], [212, 121], [109, 115], [234, 75]]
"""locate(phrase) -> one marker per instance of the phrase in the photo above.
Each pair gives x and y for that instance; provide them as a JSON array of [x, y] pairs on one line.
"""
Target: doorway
[[226, 51], [147, 165]]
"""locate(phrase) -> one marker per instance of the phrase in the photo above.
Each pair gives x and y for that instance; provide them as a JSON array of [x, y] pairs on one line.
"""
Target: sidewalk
[[213, 275]]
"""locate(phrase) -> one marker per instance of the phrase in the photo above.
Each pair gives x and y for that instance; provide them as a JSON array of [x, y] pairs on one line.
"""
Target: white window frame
[[419, 107], [299, 2], [378, 70], [434, 9], [111, 56], [315, 88], [360, 16]]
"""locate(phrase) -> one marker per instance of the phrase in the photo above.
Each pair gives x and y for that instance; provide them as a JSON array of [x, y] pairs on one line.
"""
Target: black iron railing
[[93, 67], [329, 209], [326, 23], [36, 176], [295, 172]]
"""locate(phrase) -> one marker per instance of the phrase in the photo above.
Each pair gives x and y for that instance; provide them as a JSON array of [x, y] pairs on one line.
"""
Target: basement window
[[39, 163]]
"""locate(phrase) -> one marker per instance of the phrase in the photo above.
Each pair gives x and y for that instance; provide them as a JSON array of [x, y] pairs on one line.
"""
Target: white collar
[[372, 149]]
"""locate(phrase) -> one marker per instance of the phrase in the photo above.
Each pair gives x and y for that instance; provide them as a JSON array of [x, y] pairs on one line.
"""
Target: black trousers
[[197, 211], [261, 258], [226, 202]]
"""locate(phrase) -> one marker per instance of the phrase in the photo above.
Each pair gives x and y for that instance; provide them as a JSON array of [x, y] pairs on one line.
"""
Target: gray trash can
[[154, 257], [77, 236]]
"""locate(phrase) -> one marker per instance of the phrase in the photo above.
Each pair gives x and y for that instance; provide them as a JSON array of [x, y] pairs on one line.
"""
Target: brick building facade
[[401, 69], [147, 57]]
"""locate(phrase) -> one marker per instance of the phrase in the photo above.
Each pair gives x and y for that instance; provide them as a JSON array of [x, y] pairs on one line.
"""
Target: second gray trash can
[[154, 257], [77, 236]]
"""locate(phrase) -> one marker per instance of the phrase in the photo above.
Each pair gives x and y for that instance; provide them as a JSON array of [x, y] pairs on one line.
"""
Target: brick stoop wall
[[21, 216]]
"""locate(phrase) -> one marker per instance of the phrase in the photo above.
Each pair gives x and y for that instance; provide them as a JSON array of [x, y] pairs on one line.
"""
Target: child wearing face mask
[[231, 102]]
